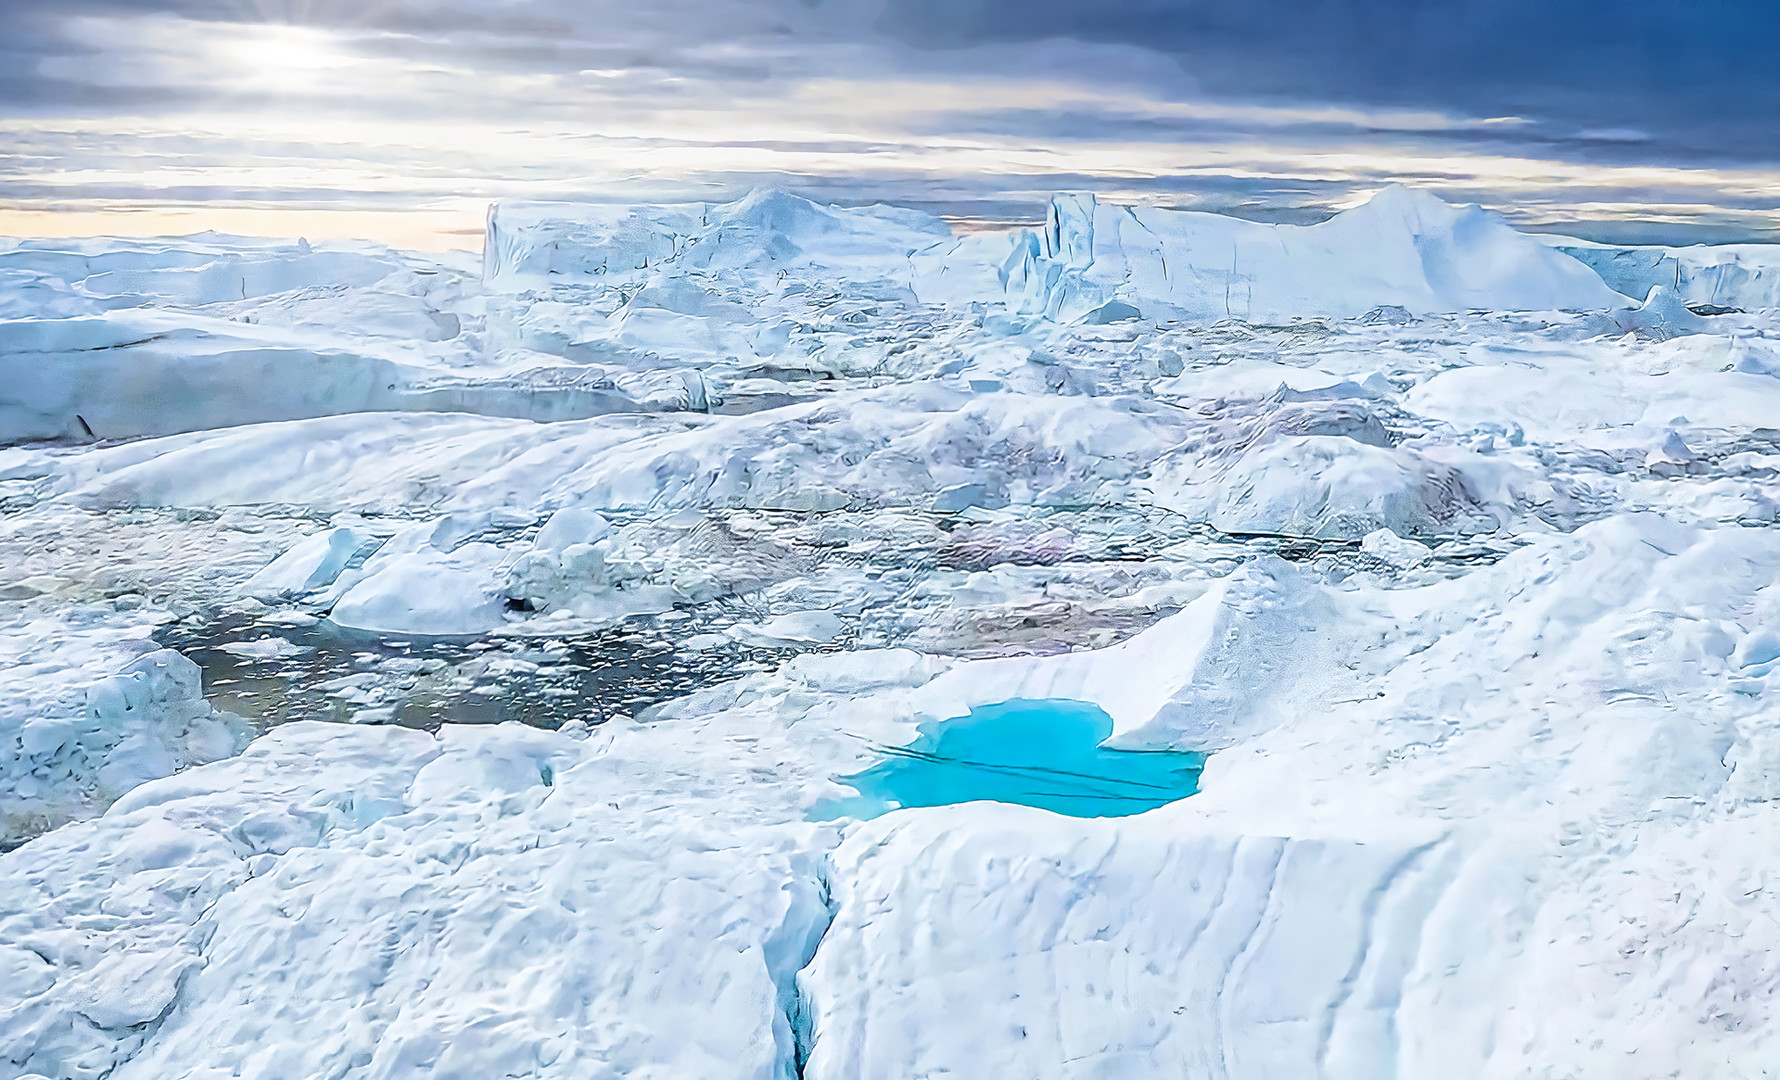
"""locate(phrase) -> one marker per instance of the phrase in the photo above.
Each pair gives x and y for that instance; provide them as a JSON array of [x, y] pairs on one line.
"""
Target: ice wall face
[[1403, 248], [1743, 276]]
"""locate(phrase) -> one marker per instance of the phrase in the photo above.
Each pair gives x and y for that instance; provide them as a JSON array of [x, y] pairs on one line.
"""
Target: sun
[[283, 59]]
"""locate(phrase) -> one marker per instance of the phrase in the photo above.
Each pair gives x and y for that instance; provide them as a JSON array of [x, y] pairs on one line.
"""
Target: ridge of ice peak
[[777, 210], [1405, 201]]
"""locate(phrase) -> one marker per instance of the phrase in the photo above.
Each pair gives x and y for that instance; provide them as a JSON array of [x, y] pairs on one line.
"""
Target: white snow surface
[[1461, 567]]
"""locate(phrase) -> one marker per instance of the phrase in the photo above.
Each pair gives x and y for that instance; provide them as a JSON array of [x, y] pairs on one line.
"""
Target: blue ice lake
[[1042, 753]]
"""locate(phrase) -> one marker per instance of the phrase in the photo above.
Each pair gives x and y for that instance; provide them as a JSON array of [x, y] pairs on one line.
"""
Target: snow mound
[[793, 627], [1393, 550], [422, 582], [1333, 487], [312, 564], [1096, 262]]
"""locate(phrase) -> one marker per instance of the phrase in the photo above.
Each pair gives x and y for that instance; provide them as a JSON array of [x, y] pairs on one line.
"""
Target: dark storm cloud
[[1703, 76]]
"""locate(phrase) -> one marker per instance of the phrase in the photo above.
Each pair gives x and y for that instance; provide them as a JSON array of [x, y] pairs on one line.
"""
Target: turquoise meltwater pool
[[1042, 753]]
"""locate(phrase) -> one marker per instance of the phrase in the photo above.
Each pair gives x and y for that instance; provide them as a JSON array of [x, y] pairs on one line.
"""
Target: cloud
[[1701, 72], [1281, 109]]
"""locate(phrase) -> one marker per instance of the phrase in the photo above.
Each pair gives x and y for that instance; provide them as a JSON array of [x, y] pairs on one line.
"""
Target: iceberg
[[1095, 262], [761, 237], [1403, 248]]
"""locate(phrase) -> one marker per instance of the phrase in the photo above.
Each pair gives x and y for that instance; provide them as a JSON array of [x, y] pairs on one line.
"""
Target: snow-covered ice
[[457, 668]]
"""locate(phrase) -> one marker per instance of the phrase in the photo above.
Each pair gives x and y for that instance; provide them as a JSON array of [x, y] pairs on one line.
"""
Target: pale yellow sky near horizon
[[458, 229]]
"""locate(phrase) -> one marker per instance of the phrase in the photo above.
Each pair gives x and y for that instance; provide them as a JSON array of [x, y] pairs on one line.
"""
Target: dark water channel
[[272, 674]]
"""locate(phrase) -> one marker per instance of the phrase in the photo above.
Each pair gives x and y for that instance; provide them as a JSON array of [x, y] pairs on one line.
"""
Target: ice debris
[[147, 721], [1391, 549]]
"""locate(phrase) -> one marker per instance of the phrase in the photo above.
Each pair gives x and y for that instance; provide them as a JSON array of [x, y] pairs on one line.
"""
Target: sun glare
[[283, 59]]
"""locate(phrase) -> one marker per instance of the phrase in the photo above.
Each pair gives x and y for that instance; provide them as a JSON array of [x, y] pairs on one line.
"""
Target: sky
[[400, 120]]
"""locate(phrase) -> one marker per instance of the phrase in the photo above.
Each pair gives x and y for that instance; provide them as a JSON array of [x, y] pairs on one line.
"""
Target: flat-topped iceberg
[[760, 235]]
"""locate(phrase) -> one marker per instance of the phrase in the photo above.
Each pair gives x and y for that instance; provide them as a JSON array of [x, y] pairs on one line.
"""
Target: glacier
[[506, 665]]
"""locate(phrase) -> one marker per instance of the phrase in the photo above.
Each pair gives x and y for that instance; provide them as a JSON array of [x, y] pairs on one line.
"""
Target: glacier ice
[[437, 666]]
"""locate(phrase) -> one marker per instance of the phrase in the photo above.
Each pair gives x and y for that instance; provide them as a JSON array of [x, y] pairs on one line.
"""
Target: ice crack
[[792, 950]]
